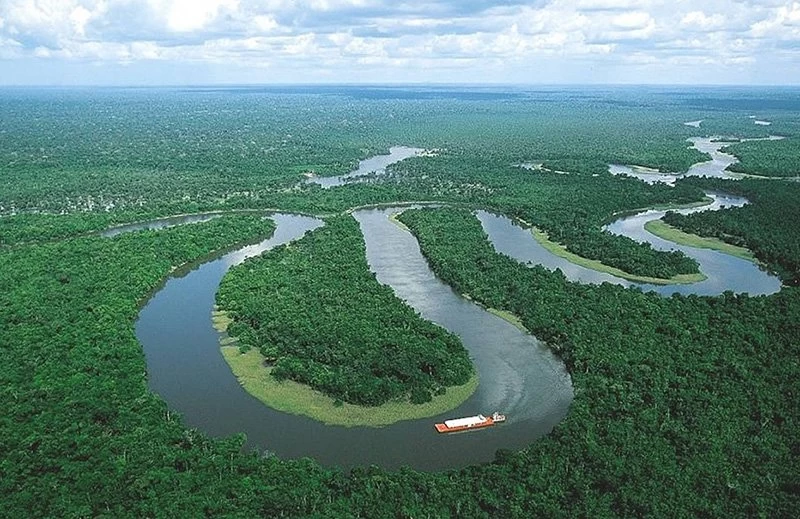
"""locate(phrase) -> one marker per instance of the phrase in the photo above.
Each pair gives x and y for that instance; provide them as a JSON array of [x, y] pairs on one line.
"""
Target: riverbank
[[299, 399], [664, 230], [561, 251]]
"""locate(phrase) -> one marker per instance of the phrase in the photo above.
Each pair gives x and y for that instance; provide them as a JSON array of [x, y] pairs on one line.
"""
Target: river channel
[[724, 272], [518, 375], [372, 166], [716, 167]]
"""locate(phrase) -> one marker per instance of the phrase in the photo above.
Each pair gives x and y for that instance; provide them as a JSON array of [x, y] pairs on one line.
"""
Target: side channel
[[724, 272]]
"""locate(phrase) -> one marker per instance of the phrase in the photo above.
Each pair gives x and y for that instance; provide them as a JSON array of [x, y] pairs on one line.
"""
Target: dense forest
[[209, 151], [320, 317], [684, 406], [766, 158], [767, 226], [674, 396], [572, 208]]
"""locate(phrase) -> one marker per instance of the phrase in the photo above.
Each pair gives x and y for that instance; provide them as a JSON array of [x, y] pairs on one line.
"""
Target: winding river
[[518, 374], [374, 165], [724, 272], [185, 367], [716, 167]]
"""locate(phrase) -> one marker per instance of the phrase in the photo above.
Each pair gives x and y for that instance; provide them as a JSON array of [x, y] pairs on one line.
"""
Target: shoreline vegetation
[[562, 252], [356, 343], [666, 231], [299, 399], [682, 405]]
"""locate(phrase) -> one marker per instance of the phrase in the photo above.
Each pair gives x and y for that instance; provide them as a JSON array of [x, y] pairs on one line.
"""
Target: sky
[[184, 42]]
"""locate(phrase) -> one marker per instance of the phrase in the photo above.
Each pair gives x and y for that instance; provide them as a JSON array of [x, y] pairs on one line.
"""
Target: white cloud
[[333, 36], [702, 21], [610, 5], [633, 20], [783, 24], [265, 23], [191, 15]]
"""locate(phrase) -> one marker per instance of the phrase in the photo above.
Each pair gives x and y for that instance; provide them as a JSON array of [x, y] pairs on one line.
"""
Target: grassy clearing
[[562, 252], [394, 220], [508, 316], [502, 314], [672, 207], [668, 232], [295, 398], [291, 397], [220, 320]]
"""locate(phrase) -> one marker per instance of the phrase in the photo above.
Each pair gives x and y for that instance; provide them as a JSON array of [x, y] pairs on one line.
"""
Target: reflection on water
[[518, 375]]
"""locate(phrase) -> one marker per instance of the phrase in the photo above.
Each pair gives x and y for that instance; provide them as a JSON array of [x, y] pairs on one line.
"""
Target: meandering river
[[518, 375], [716, 167], [374, 165], [724, 272]]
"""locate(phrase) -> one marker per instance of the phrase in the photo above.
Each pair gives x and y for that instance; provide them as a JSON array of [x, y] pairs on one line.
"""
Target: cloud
[[336, 37], [698, 20], [610, 5], [191, 15]]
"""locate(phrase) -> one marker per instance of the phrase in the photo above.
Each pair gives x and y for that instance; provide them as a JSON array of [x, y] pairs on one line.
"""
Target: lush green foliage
[[675, 397], [767, 158], [768, 226], [684, 406], [315, 310], [572, 208], [167, 152]]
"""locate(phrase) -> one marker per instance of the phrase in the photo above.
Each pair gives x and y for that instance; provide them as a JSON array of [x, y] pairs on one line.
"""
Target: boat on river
[[470, 422]]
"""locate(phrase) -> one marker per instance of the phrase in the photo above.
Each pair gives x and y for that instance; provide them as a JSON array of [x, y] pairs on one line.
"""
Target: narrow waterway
[[724, 272], [716, 167], [518, 375], [373, 165], [161, 223]]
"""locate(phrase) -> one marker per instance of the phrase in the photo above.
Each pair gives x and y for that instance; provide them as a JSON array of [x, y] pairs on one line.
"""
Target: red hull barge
[[470, 422]]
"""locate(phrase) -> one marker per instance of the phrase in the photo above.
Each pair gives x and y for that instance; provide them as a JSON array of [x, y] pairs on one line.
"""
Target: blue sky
[[152, 42]]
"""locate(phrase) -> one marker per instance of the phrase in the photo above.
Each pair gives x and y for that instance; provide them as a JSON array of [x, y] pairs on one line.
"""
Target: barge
[[469, 422]]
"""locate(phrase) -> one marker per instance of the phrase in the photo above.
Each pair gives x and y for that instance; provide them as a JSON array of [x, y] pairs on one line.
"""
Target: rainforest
[[639, 377]]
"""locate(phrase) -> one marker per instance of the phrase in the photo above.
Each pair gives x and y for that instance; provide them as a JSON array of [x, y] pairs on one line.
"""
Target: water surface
[[518, 375], [161, 223], [716, 167], [373, 165], [724, 272]]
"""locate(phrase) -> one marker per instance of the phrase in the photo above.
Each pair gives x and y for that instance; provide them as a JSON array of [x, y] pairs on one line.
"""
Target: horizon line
[[393, 85]]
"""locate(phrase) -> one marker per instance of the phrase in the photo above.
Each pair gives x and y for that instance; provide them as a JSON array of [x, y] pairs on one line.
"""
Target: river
[[716, 167], [518, 375], [724, 272], [374, 165]]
